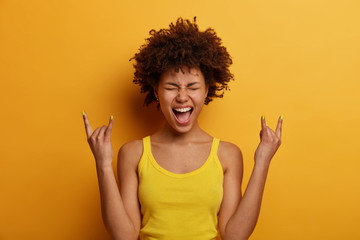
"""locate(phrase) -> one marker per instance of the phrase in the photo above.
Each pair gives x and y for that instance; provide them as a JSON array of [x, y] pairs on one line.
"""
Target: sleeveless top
[[179, 206]]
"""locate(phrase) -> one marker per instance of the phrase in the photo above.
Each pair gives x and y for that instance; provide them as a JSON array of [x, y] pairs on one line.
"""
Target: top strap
[[146, 152], [215, 146], [146, 144]]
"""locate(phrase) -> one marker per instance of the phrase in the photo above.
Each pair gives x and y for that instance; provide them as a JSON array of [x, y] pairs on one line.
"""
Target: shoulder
[[230, 155], [132, 147], [131, 152]]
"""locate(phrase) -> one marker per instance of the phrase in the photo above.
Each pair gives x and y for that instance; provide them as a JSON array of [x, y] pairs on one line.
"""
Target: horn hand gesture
[[100, 142], [269, 142]]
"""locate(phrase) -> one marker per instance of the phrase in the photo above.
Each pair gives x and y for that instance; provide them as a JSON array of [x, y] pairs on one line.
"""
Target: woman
[[180, 182]]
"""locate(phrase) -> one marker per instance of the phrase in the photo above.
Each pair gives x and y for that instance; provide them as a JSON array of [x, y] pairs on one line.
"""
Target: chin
[[181, 130]]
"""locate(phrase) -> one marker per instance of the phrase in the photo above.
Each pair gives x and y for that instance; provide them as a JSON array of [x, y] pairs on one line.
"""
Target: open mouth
[[182, 115]]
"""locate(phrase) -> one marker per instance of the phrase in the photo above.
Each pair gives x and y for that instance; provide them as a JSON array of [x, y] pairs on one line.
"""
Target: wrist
[[263, 165], [104, 167]]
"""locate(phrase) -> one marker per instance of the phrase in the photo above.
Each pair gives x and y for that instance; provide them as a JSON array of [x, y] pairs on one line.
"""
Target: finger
[[263, 123], [267, 134], [96, 133], [109, 128], [279, 127], [88, 128], [102, 131]]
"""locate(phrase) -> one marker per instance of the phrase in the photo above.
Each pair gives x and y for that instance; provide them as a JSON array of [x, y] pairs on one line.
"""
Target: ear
[[156, 92], [206, 90]]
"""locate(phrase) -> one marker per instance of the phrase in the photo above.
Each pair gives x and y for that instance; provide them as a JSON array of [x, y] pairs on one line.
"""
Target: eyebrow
[[176, 85]]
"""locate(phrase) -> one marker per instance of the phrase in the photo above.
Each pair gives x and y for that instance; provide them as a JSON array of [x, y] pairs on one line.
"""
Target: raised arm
[[115, 217], [243, 220]]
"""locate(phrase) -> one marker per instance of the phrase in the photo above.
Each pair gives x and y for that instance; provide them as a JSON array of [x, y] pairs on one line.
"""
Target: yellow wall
[[297, 58]]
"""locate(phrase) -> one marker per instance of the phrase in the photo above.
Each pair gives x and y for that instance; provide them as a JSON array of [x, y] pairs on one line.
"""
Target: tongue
[[183, 116]]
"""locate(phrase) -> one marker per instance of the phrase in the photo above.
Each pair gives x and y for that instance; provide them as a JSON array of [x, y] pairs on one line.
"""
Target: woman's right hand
[[100, 142]]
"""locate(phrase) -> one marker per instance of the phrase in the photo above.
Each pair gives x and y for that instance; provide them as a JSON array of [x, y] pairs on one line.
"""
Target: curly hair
[[183, 45]]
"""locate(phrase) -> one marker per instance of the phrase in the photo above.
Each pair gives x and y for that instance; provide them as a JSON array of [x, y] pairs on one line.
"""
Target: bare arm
[[128, 159], [115, 217], [243, 221]]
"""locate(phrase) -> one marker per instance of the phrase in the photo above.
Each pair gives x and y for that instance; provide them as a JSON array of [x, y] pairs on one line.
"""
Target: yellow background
[[296, 58]]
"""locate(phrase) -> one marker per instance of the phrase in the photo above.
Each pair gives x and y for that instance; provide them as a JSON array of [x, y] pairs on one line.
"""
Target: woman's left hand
[[269, 143]]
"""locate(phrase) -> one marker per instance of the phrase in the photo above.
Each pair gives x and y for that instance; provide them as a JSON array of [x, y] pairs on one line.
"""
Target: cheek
[[198, 98], [166, 99]]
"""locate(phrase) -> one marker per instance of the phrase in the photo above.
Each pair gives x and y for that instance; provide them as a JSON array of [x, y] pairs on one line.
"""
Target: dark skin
[[238, 213]]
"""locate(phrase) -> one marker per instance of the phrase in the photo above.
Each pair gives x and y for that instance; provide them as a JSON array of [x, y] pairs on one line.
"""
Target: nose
[[182, 95]]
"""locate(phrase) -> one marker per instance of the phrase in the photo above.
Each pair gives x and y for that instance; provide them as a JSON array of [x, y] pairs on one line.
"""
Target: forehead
[[185, 76]]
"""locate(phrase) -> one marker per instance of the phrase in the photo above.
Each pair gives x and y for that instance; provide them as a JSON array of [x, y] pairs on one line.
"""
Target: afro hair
[[182, 44]]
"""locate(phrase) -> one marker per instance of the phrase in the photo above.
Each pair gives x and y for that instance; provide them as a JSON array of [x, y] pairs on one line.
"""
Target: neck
[[167, 133]]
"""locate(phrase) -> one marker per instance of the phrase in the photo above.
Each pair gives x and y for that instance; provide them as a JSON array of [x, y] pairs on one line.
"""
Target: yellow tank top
[[179, 206]]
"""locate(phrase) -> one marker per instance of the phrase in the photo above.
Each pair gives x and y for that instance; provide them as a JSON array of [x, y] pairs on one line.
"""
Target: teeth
[[182, 109]]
